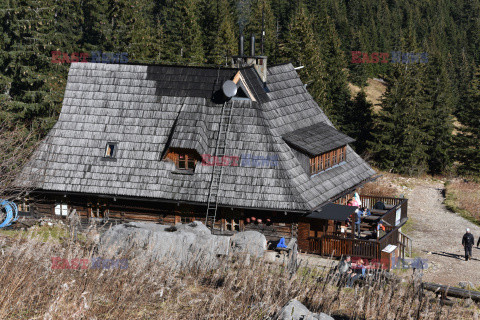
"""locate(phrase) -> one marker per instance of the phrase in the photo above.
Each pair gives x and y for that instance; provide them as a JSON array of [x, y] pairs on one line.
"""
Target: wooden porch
[[331, 242]]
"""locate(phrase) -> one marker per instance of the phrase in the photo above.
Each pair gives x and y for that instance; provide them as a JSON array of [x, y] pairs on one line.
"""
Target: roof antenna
[[263, 27]]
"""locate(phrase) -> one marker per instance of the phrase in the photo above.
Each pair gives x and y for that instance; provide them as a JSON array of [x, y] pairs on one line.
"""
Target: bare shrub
[[16, 145], [237, 289]]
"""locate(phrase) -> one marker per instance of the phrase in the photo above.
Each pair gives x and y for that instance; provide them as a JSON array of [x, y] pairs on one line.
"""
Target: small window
[[110, 150], [184, 159], [23, 207], [186, 162], [61, 210]]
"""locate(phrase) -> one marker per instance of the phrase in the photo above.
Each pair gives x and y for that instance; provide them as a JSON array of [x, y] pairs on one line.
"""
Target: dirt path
[[437, 235]]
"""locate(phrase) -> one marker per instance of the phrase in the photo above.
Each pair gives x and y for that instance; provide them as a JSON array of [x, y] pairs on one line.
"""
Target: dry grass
[[380, 188], [374, 91], [157, 290], [464, 197]]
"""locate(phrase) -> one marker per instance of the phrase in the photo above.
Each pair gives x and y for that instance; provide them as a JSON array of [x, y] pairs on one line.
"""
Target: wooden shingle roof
[[317, 139], [139, 108]]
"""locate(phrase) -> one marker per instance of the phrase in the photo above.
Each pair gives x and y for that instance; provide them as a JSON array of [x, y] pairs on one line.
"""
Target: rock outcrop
[[251, 242], [183, 243], [295, 310]]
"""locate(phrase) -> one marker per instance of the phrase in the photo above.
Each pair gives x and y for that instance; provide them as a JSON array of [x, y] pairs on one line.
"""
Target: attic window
[[110, 150], [327, 160], [184, 159], [186, 162], [241, 94]]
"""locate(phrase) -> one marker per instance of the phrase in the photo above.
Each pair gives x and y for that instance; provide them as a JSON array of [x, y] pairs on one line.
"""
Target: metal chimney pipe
[[240, 45], [252, 46]]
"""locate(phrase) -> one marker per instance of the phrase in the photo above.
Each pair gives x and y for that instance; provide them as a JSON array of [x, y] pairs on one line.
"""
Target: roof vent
[[229, 89]]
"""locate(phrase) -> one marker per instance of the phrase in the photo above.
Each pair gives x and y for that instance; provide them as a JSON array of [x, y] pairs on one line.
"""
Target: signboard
[[398, 216]]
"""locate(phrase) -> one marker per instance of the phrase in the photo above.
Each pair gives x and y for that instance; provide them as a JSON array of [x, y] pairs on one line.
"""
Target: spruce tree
[[468, 140], [184, 38], [302, 48], [262, 14], [32, 92], [219, 31], [337, 91], [120, 18], [400, 133], [439, 98], [358, 122], [94, 25], [147, 38]]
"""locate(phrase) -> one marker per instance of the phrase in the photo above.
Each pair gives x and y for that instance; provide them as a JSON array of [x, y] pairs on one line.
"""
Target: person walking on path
[[467, 242]]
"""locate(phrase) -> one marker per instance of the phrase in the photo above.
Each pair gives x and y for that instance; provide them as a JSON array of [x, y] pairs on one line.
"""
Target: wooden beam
[[451, 291]]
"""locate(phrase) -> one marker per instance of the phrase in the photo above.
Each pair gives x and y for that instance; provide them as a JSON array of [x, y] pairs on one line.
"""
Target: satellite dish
[[229, 89]]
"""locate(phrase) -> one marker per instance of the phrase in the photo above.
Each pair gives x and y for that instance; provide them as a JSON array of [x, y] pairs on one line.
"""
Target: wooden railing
[[390, 238], [329, 245], [405, 244], [391, 215], [369, 201], [336, 246]]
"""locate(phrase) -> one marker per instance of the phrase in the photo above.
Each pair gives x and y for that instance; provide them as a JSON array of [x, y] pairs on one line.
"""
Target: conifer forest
[[426, 52]]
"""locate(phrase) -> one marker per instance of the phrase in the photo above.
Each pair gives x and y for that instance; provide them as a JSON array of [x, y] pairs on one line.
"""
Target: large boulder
[[251, 242], [183, 244], [295, 310]]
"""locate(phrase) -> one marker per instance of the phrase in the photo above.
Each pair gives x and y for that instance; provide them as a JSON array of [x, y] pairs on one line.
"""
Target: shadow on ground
[[452, 255]]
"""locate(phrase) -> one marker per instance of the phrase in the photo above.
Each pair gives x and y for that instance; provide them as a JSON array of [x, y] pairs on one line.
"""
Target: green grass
[[409, 226], [55, 233]]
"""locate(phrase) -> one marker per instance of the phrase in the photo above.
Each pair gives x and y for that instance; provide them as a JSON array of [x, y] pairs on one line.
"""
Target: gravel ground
[[437, 236]]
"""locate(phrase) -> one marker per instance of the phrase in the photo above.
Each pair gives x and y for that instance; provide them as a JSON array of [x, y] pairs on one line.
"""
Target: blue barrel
[[11, 210]]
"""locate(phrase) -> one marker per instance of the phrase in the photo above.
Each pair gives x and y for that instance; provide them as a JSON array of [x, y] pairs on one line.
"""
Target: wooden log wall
[[303, 235], [228, 219]]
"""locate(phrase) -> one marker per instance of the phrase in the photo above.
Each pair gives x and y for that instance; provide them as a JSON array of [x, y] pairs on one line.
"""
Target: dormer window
[[184, 159], [327, 160], [320, 143]]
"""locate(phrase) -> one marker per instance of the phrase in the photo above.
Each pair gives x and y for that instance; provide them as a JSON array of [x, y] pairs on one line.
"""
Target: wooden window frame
[[327, 160], [190, 162], [187, 163]]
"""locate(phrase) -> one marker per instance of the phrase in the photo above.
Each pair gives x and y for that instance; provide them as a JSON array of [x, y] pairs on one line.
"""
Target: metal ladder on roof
[[217, 172]]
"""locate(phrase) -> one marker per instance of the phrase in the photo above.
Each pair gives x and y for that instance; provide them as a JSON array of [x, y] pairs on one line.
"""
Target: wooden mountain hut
[[240, 148]]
